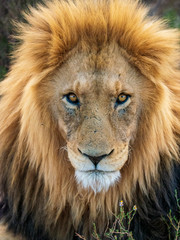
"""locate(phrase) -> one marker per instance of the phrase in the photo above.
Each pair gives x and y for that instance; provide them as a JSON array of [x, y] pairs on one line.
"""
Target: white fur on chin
[[96, 180]]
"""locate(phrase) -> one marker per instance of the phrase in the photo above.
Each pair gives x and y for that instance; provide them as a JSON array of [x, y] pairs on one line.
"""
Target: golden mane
[[32, 159]]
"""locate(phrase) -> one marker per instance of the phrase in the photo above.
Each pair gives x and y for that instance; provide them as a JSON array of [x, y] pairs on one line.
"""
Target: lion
[[89, 116]]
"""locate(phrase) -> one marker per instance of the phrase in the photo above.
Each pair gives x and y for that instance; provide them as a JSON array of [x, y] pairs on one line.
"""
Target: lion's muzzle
[[96, 159]]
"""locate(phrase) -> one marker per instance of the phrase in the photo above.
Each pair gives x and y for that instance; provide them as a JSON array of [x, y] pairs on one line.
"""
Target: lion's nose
[[96, 159]]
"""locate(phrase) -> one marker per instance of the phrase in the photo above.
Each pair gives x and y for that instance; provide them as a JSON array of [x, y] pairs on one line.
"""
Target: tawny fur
[[4, 235], [30, 138]]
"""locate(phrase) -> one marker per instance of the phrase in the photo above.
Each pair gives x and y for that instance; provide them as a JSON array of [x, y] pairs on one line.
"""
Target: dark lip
[[98, 171]]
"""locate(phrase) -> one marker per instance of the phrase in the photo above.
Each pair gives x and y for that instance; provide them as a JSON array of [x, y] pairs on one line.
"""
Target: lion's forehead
[[84, 72]]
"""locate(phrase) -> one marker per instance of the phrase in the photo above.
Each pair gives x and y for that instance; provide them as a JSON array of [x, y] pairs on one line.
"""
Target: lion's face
[[97, 105]]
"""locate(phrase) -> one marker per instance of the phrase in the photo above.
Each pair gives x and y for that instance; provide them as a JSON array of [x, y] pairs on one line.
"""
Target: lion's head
[[97, 102], [89, 111]]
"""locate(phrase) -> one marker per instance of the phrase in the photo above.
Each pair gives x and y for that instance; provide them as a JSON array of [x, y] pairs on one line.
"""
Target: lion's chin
[[97, 180]]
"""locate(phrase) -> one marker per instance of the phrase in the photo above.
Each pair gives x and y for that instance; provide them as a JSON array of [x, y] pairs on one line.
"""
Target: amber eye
[[122, 98], [72, 98]]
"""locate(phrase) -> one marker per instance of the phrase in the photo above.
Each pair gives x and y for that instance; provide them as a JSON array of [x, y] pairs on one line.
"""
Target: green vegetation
[[172, 17], [3, 71], [120, 227], [9, 10], [122, 223], [174, 224]]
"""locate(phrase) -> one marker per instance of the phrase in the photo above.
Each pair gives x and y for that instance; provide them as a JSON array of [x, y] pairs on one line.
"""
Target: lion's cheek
[[62, 128]]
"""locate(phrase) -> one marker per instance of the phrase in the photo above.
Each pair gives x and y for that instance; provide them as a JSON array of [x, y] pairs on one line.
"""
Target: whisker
[[63, 149]]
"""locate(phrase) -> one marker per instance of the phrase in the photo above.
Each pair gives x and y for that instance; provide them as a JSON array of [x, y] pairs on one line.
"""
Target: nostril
[[96, 159]]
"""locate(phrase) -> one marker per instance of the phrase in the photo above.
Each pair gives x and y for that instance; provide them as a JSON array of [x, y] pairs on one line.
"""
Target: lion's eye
[[122, 98], [72, 98]]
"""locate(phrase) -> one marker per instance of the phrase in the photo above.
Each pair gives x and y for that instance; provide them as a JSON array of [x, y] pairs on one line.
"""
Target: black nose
[[96, 159]]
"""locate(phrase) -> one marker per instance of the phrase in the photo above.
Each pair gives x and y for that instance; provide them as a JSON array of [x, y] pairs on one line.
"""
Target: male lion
[[89, 116]]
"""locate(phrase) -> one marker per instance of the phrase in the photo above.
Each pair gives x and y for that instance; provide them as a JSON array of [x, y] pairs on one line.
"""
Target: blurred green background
[[11, 10]]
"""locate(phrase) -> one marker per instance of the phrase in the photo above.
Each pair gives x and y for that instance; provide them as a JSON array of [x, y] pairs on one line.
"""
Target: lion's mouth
[[96, 171]]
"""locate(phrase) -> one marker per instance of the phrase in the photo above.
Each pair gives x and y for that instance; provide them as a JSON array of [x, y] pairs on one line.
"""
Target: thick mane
[[35, 171]]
